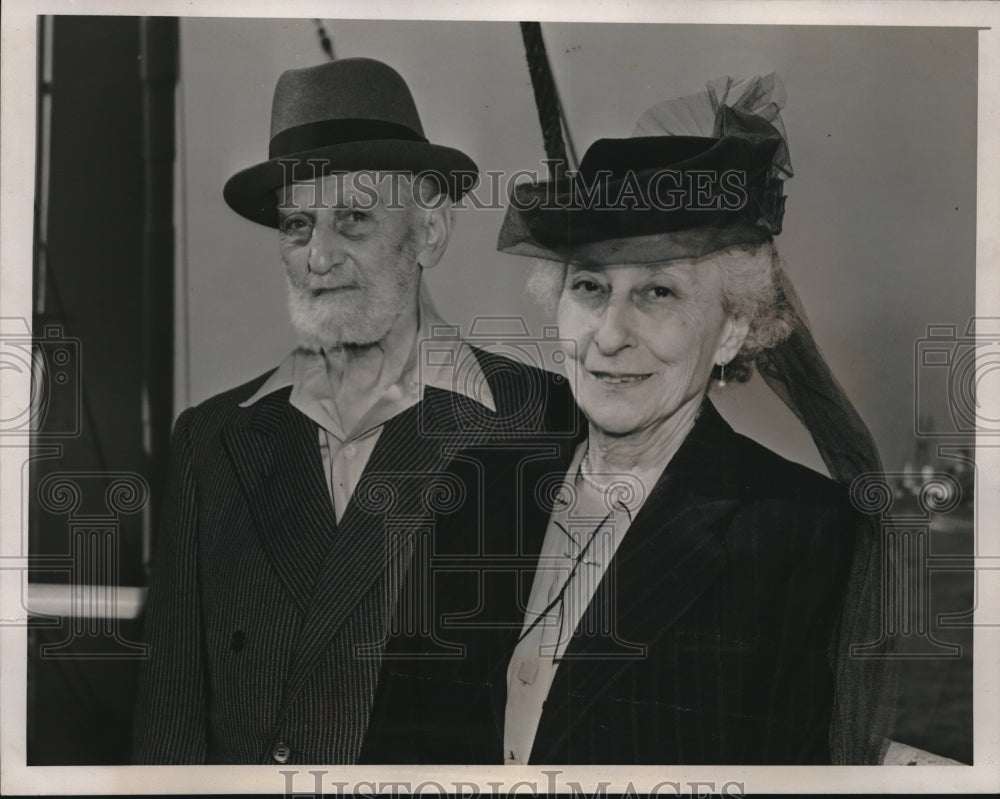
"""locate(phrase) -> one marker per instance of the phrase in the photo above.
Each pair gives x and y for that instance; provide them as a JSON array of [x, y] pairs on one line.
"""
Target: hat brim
[[251, 192], [651, 248]]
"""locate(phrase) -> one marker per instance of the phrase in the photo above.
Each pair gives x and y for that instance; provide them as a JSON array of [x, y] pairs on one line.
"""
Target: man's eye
[[661, 291], [353, 222], [586, 286], [295, 225]]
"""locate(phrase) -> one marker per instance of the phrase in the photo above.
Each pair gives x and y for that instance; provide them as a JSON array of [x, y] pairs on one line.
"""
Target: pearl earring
[[722, 375]]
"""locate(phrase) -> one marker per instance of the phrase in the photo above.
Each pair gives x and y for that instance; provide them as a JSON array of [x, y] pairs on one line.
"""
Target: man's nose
[[613, 332], [326, 250]]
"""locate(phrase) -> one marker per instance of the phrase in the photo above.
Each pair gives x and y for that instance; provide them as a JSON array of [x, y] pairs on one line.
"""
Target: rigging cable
[[550, 112], [324, 40]]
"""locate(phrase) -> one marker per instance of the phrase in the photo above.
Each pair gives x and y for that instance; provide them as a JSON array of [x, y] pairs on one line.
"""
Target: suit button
[[281, 752]]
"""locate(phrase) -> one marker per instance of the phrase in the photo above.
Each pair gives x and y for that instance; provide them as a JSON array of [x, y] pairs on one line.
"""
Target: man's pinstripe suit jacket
[[267, 618]]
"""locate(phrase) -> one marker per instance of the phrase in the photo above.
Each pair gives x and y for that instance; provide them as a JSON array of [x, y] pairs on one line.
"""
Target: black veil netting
[[865, 674]]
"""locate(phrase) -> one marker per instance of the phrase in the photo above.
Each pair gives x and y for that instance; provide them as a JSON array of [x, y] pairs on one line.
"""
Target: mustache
[[310, 284]]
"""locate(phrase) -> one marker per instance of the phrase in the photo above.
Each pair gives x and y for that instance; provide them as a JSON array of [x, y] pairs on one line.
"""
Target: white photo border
[[17, 89]]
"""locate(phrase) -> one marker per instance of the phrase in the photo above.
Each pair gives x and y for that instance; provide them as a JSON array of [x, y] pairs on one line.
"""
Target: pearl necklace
[[588, 478]]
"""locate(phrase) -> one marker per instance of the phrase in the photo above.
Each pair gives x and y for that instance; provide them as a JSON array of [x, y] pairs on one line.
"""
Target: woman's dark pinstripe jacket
[[707, 642]]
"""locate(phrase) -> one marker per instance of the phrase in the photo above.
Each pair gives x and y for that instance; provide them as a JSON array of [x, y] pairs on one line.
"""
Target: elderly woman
[[693, 596], [640, 584]]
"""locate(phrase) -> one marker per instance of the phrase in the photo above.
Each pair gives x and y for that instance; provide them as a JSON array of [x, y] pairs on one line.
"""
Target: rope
[[546, 94]]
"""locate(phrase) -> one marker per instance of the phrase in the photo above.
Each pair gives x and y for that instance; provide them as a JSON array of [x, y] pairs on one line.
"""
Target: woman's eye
[[359, 216], [661, 292]]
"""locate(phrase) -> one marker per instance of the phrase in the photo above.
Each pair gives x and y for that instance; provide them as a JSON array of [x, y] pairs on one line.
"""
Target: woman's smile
[[619, 379]]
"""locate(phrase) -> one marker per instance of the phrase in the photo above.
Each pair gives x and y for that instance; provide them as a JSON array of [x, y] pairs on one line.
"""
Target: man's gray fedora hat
[[343, 116]]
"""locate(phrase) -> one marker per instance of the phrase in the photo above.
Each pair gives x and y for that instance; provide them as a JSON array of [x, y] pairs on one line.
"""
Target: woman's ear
[[438, 221], [734, 333]]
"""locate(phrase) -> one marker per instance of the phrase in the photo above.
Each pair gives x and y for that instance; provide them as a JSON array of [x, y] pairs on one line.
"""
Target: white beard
[[355, 318], [360, 317]]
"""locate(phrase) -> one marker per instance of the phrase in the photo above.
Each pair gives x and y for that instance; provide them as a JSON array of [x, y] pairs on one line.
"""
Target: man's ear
[[438, 221], [734, 333]]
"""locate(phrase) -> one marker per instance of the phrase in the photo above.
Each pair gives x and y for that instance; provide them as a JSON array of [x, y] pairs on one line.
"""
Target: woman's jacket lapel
[[672, 553]]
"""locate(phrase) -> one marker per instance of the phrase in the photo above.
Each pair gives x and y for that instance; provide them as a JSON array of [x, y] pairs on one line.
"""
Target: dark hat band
[[314, 135]]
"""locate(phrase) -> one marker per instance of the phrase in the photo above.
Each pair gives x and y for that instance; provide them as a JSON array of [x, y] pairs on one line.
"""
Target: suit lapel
[[329, 568], [672, 553], [275, 453], [393, 498], [525, 522]]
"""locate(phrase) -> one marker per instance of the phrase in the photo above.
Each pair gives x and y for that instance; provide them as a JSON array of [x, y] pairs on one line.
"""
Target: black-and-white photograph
[[539, 403]]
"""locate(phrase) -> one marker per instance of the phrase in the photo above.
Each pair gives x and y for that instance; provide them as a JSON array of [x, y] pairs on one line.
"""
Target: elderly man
[[293, 499]]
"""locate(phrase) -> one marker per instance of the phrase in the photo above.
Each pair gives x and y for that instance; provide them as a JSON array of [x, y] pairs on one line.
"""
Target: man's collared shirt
[[448, 363]]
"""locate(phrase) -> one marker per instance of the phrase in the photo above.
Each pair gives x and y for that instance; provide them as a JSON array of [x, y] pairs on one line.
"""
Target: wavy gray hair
[[749, 289]]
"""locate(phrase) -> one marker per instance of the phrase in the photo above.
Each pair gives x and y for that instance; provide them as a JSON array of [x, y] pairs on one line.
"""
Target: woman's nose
[[613, 331], [326, 250]]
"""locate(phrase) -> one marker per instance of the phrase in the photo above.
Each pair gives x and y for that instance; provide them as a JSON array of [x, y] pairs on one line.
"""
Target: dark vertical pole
[[550, 115], [158, 70], [41, 156]]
